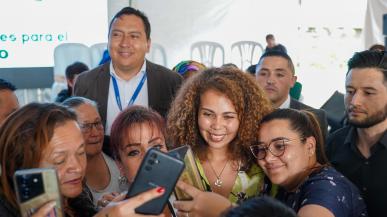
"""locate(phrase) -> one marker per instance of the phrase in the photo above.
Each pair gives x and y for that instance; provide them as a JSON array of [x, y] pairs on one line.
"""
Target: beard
[[374, 119]]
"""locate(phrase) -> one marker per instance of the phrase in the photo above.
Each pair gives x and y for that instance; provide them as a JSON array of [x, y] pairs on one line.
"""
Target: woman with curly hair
[[216, 113]]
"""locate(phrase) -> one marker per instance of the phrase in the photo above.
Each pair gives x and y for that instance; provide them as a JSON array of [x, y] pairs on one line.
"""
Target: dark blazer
[[320, 114], [162, 87]]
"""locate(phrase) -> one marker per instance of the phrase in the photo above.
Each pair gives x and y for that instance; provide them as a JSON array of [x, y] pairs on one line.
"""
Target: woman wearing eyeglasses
[[102, 173], [291, 153]]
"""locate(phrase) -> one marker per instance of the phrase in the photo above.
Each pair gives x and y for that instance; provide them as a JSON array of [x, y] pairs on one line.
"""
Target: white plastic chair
[[68, 53], [157, 54], [246, 53], [209, 53], [64, 55], [96, 52]]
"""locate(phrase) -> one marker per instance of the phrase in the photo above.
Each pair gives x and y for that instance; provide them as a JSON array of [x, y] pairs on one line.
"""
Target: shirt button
[[364, 189], [366, 163]]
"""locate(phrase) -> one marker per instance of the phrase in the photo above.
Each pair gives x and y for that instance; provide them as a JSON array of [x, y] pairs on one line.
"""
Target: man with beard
[[359, 150]]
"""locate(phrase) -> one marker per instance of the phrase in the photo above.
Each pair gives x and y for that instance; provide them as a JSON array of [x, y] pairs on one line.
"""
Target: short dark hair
[[251, 69], [377, 47], [6, 85], [269, 36], [75, 69], [135, 12], [276, 53], [369, 59], [261, 207]]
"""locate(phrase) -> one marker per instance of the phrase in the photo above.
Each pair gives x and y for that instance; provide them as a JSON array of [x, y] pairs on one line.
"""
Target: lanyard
[[135, 94]]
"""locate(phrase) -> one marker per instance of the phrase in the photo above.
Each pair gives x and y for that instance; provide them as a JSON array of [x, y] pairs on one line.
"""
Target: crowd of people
[[259, 151]]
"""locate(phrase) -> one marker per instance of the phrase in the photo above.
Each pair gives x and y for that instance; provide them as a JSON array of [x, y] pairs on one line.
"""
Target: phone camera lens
[[148, 168], [154, 156], [26, 193], [151, 162]]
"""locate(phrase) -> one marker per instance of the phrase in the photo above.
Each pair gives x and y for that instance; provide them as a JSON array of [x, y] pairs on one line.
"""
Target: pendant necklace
[[218, 182]]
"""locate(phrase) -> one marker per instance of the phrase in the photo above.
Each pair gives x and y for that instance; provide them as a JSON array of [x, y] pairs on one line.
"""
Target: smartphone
[[36, 187], [190, 174], [156, 169]]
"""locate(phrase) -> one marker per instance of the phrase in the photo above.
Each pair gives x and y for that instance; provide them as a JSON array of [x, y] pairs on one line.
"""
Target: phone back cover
[[164, 171], [48, 190]]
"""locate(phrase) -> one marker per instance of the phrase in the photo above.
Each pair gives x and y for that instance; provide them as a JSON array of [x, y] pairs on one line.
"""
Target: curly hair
[[248, 98]]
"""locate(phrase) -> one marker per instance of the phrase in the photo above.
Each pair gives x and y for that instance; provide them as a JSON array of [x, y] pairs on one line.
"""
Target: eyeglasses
[[276, 148], [87, 127]]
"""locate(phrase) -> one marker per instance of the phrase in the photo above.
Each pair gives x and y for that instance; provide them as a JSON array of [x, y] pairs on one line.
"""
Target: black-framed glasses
[[87, 127], [276, 147]]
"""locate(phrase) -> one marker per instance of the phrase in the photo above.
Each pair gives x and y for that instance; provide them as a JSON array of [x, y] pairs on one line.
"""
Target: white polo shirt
[[126, 89]]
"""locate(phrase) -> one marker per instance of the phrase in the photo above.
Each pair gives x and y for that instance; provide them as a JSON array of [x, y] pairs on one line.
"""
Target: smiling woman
[[217, 113], [291, 152]]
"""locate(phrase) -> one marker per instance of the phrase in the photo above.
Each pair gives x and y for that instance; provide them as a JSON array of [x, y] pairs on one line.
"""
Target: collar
[[285, 104], [114, 74], [352, 135], [383, 139]]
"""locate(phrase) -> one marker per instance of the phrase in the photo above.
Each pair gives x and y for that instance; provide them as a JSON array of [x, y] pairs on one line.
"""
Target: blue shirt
[[330, 189]]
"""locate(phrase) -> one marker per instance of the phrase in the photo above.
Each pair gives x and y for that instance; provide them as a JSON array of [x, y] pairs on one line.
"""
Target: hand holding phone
[[126, 208], [35, 189], [157, 169], [190, 174]]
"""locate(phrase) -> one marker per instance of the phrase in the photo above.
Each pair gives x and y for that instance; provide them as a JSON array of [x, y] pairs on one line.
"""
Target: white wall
[[320, 53]]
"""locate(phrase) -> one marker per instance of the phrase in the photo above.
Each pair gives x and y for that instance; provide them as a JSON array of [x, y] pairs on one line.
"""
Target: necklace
[[218, 182]]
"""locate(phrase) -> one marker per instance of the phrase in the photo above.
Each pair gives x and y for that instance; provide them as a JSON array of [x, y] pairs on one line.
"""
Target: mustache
[[356, 109]]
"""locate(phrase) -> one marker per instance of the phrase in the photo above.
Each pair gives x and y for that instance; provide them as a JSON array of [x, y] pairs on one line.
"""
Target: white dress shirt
[[126, 89], [285, 104]]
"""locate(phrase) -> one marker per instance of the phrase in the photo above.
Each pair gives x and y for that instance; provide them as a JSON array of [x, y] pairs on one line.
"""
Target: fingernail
[[160, 190]]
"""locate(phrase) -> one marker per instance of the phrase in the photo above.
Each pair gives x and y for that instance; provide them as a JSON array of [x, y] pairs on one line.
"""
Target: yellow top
[[247, 184]]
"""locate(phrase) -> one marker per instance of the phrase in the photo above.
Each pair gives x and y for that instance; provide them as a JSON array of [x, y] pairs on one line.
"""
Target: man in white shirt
[[128, 78]]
